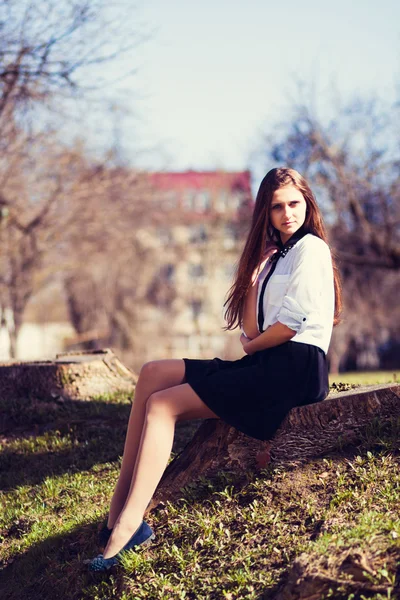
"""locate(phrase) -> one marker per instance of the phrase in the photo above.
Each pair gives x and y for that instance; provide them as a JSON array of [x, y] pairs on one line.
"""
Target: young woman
[[286, 298]]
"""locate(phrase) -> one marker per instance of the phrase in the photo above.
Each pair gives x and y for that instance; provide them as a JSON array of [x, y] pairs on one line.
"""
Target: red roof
[[202, 180]]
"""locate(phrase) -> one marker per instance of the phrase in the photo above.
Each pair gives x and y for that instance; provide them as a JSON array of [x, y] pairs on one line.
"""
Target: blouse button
[[304, 319]]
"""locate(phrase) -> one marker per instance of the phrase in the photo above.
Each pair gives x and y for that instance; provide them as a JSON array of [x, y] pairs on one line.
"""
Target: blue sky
[[215, 75]]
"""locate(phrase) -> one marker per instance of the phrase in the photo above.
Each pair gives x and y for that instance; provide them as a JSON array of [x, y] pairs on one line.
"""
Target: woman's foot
[[141, 537], [121, 534], [106, 531], [104, 535]]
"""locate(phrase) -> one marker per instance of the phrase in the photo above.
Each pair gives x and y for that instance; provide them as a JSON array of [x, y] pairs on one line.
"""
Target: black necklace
[[283, 252]]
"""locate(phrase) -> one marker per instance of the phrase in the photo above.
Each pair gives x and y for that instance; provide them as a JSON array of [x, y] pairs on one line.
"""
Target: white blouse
[[300, 292]]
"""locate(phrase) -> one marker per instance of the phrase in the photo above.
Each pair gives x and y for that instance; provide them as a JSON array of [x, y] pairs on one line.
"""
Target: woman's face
[[287, 211]]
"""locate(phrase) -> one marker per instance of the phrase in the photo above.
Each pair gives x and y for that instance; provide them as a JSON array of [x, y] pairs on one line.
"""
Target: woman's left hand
[[245, 343], [244, 339]]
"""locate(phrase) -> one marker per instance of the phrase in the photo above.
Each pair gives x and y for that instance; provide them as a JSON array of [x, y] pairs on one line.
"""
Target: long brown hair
[[261, 232]]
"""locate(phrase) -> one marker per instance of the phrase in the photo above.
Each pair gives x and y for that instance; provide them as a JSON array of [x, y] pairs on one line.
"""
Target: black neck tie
[[274, 260]]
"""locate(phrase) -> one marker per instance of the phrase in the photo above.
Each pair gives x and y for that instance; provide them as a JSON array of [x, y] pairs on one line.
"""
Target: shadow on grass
[[93, 432], [54, 569]]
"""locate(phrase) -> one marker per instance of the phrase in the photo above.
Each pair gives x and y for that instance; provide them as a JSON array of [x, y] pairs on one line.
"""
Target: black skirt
[[255, 393]]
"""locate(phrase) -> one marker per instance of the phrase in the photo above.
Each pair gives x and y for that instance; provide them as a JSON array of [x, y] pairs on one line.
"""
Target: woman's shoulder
[[313, 242], [313, 251]]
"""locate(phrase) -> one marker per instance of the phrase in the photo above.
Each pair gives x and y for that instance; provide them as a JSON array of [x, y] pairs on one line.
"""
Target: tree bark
[[72, 376], [306, 432], [313, 576], [13, 335]]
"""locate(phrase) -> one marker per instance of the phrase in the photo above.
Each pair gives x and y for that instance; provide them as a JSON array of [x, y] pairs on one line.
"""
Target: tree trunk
[[334, 365], [13, 336], [13, 328], [73, 376], [307, 432]]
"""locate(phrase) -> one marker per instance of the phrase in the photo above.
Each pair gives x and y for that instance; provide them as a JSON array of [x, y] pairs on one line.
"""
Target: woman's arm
[[249, 324], [309, 297], [275, 335]]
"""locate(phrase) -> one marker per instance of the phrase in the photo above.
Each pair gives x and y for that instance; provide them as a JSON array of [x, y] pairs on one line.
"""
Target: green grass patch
[[223, 539], [366, 378]]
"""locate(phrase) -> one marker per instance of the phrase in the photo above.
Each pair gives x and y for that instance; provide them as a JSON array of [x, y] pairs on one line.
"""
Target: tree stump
[[72, 376], [312, 576], [307, 432]]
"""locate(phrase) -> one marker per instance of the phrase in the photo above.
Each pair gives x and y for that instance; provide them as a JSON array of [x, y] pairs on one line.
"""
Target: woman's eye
[[275, 207]]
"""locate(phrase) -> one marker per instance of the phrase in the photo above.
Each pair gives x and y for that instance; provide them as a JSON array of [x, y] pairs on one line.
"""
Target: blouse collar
[[300, 233], [283, 249]]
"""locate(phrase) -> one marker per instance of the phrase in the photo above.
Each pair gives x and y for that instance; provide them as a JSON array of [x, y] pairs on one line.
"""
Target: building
[[200, 240], [185, 240]]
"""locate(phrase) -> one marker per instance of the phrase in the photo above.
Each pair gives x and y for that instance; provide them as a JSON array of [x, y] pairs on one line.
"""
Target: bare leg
[[154, 376], [163, 409]]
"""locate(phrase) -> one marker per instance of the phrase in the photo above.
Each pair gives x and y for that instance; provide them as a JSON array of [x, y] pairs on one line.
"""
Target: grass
[[367, 378], [336, 517]]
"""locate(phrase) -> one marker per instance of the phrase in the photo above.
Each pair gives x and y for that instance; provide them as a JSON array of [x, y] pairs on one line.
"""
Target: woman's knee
[[149, 370], [164, 369], [158, 375], [158, 404], [182, 403]]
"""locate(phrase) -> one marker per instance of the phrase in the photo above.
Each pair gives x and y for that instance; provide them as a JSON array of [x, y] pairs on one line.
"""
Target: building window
[[170, 199], [164, 235], [235, 201], [197, 308], [203, 201], [189, 198], [167, 272], [231, 235], [229, 270], [222, 201], [198, 234], [196, 271], [197, 200]]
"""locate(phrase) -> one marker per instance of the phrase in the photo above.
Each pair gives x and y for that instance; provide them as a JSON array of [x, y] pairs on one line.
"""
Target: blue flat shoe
[[142, 537], [104, 535]]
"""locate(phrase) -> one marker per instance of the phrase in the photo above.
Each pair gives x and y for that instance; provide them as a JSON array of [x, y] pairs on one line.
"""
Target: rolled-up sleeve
[[309, 287], [292, 315]]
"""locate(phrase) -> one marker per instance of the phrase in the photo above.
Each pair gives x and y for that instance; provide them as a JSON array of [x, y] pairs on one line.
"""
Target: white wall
[[37, 341]]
